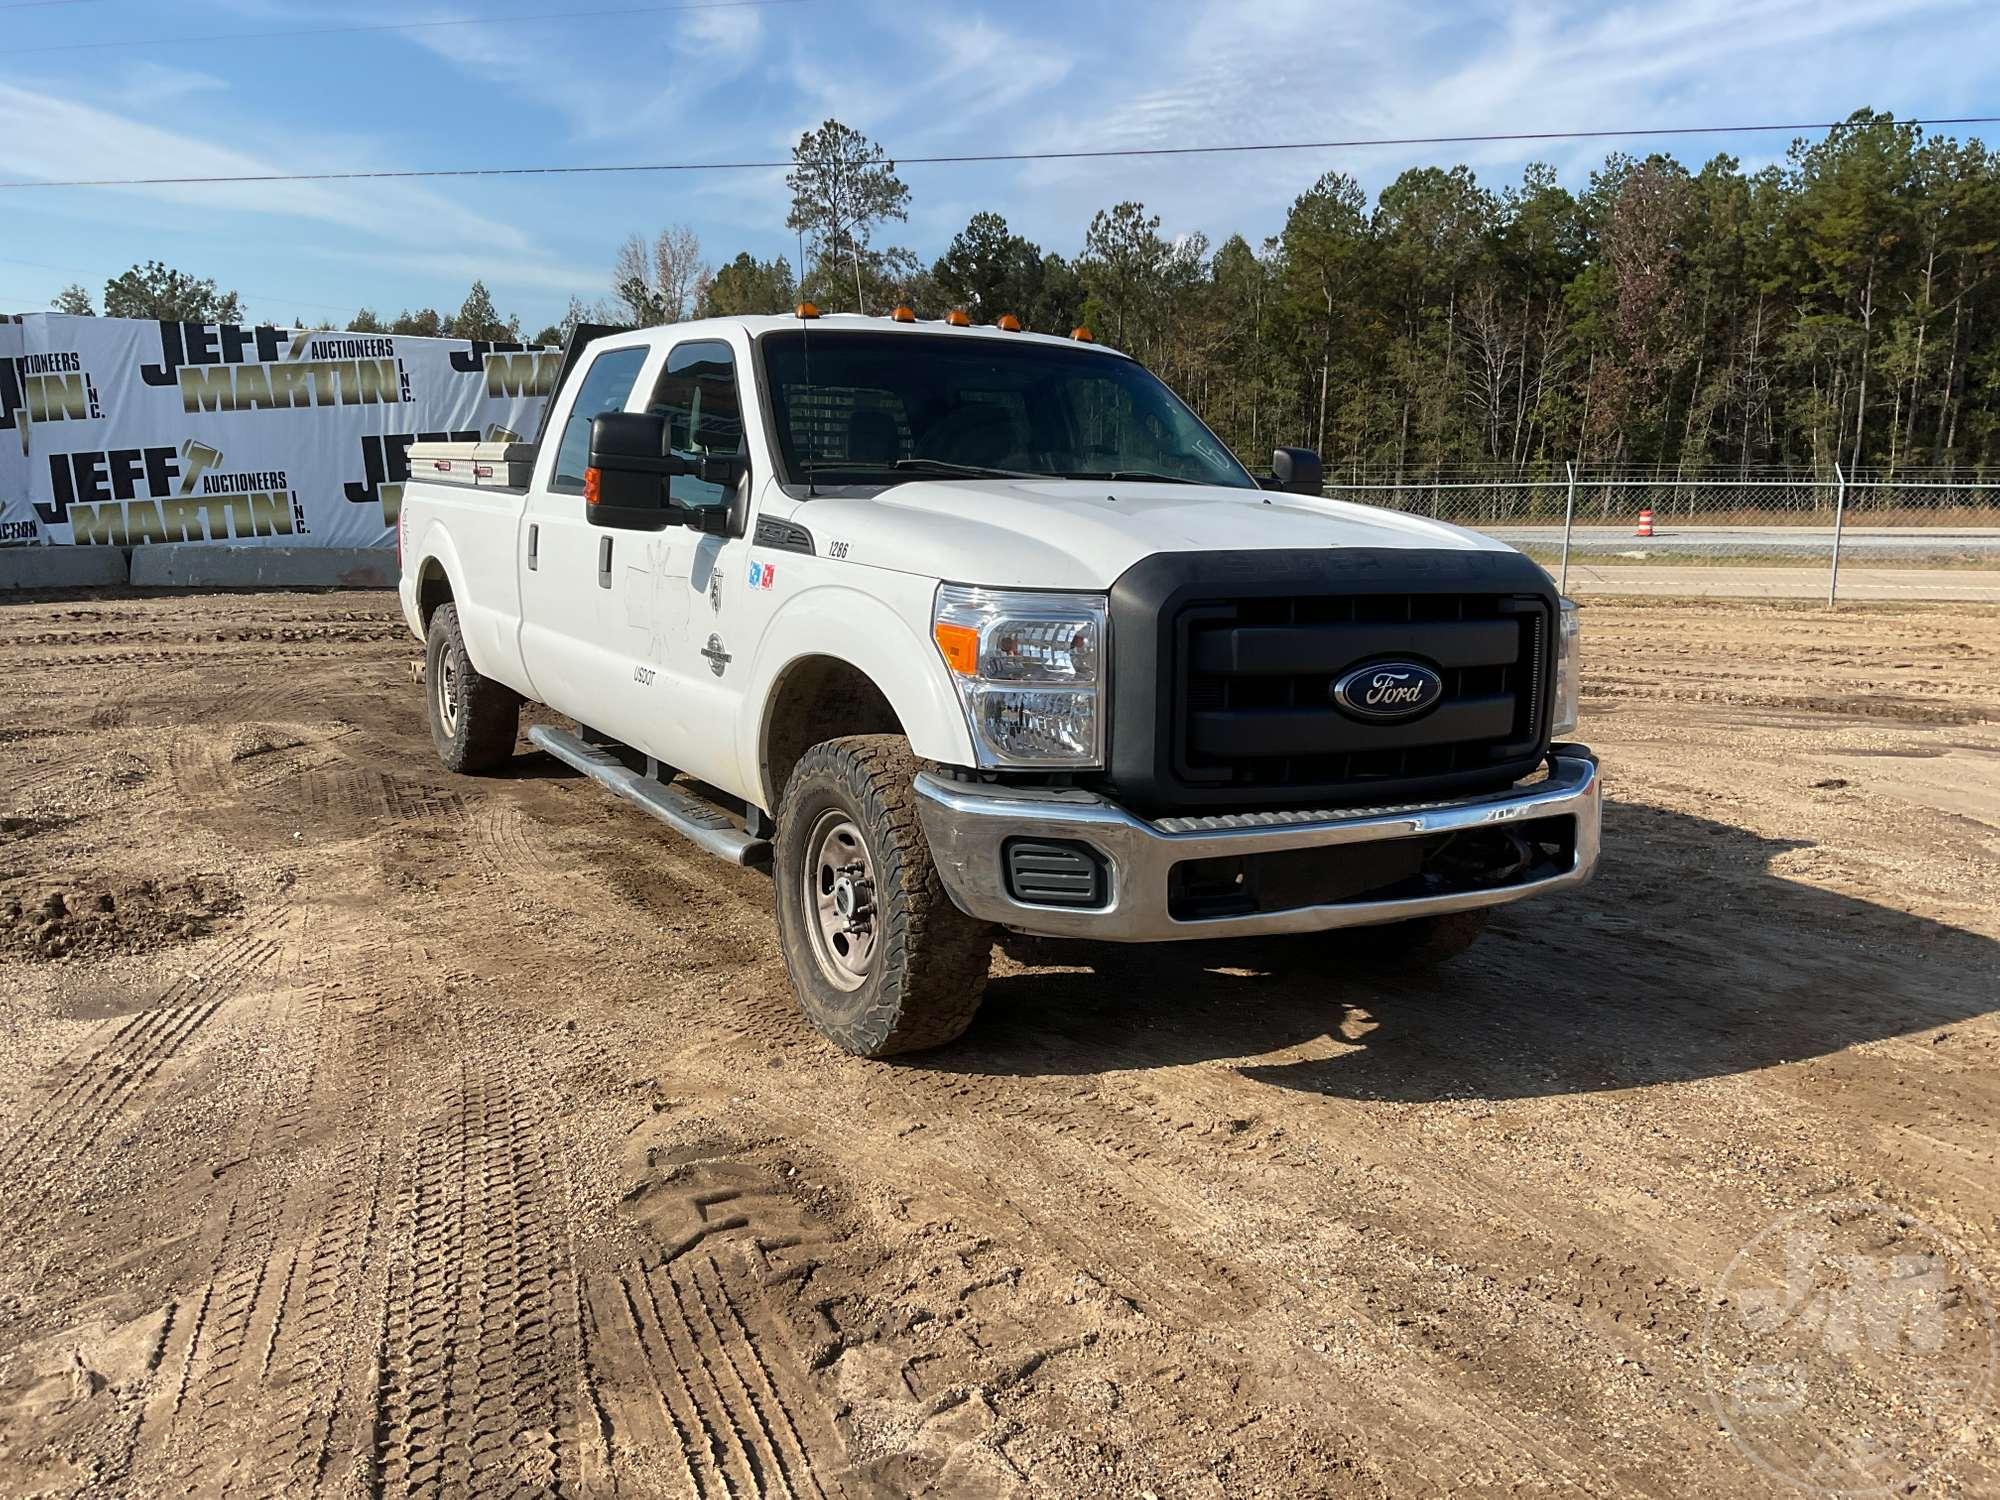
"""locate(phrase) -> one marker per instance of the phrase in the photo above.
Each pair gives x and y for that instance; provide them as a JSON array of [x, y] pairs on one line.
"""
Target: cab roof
[[833, 325]]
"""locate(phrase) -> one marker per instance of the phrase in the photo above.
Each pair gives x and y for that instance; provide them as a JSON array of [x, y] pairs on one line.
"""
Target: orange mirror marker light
[[1081, 335], [904, 315], [807, 310], [959, 645], [591, 478], [957, 318], [1009, 322]]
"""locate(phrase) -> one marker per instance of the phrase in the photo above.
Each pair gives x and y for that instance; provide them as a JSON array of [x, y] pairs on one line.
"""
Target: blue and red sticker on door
[[762, 574]]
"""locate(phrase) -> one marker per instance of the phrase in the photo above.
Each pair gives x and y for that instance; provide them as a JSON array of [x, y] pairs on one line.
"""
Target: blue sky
[[921, 78]]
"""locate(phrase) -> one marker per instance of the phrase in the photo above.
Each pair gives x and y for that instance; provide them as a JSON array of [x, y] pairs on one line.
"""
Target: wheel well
[[433, 590], [819, 698]]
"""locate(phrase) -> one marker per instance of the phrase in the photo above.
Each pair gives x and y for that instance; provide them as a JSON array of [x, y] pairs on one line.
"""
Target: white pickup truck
[[964, 628]]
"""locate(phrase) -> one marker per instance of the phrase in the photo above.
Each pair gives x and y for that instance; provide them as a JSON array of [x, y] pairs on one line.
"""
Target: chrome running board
[[701, 823]]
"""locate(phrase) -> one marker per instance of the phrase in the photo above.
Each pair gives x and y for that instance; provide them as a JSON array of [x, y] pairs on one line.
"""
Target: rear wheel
[[474, 720], [880, 959]]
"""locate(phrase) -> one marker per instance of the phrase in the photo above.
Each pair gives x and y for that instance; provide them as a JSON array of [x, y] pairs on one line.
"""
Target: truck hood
[[1069, 534]]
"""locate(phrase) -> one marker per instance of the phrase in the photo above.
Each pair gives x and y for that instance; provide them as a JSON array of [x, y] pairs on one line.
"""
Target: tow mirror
[[626, 482], [1297, 470], [631, 464]]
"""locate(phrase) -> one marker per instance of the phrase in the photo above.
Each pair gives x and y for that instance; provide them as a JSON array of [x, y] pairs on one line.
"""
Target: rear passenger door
[[565, 563]]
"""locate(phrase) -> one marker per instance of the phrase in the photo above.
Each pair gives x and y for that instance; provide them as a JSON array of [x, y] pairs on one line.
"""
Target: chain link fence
[[1864, 535]]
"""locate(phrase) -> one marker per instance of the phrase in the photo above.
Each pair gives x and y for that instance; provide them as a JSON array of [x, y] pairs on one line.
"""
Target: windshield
[[883, 408]]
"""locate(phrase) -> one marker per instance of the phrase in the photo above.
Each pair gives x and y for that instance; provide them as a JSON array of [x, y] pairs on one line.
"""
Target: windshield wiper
[[970, 471], [1135, 475], [935, 466]]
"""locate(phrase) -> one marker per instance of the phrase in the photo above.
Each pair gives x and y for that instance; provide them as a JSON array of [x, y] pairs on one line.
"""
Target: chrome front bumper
[[968, 825]]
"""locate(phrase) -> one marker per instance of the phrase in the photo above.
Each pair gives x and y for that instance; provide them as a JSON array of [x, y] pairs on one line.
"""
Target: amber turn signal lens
[[591, 477], [1009, 322], [957, 318], [904, 315], [807, 310], [959, 645], [1081, 335]]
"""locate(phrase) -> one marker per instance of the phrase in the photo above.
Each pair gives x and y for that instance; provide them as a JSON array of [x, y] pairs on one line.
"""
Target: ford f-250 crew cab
[[965, 628]]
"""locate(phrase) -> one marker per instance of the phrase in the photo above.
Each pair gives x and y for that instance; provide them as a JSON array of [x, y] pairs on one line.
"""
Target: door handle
[[604, 562], [534, 548]]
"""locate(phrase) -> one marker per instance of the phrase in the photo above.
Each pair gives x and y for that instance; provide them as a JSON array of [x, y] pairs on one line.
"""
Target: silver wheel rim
[[447, 693], [839, 894]]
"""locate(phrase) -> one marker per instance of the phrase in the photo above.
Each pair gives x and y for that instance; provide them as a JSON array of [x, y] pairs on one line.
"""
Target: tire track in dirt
[[94, 1086], [269, 1354], [1096, 1186], [271, 798], [731, 1412], [695, 1352], [479, 1321]]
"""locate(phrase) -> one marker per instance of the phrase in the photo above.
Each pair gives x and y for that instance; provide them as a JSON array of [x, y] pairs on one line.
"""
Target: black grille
[[1257, 680], [1225, 665]]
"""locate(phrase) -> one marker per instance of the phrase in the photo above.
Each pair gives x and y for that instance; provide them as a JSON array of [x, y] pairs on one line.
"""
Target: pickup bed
[[964, 628]]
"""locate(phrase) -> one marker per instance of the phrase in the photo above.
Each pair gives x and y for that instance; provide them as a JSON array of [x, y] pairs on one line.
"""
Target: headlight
[[1029, 669], [1569, 686]]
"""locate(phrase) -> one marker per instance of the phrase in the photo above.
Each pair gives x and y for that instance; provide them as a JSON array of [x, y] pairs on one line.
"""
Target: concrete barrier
[[193, 566], [67, 567]]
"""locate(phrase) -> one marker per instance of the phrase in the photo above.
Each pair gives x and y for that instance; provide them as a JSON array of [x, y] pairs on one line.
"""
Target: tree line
[[1839, 307], [157, 291]]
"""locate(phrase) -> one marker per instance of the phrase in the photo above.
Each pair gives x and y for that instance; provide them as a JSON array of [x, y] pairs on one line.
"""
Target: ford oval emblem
[[1385, 692]]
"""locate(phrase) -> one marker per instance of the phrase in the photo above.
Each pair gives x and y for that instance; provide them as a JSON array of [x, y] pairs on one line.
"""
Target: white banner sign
[[123, 433]]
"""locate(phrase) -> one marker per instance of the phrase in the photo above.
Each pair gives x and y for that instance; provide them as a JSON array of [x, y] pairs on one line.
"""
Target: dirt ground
[[365, 1129]]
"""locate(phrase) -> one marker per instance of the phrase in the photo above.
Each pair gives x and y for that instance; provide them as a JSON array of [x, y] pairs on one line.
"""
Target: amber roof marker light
[[957, 318], [1008, 322], [1081, 335], [807, 310], [904, 315]]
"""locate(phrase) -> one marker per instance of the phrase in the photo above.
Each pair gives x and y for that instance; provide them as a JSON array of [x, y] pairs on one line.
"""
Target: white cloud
[[945, 76], [466, 266], [147, 85], [688, 56], [730, 33], [402, 224], [59, 139], [1294, 72], [979, 76]]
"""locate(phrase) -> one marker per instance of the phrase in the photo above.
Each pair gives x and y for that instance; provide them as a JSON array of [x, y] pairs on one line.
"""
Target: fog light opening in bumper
[[1055, 872]]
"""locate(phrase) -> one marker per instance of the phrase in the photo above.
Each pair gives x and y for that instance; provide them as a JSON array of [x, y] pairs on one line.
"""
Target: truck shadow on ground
[[1688, 957]]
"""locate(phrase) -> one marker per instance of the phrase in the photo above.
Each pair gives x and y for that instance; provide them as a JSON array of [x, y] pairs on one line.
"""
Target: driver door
[[681, 605]]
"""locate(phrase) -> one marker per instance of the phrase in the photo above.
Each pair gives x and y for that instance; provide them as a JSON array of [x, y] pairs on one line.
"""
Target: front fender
[[873, 636]]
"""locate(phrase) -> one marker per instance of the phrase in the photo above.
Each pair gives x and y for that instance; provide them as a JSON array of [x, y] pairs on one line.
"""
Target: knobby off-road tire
[[923, 971], [473, 719]]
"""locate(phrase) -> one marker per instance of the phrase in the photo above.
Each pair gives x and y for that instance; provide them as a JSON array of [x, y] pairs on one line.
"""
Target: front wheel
[[880, 959]]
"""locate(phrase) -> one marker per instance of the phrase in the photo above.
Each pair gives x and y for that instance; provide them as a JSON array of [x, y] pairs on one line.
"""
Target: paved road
[[1857, 583], [1860, 541]]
